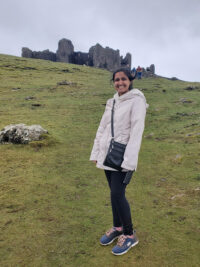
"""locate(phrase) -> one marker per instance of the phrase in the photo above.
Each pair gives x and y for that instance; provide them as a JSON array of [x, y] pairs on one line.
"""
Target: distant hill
[[55, 204]]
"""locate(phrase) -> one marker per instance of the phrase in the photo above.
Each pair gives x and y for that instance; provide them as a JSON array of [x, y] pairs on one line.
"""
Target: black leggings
[[120, 206]]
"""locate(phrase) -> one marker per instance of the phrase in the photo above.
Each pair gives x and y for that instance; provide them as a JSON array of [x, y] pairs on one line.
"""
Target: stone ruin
[[106, 58], [149, 71], [146, 72]]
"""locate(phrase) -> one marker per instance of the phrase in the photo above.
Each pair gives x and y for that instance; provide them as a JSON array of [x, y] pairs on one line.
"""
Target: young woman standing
[[129, 119]]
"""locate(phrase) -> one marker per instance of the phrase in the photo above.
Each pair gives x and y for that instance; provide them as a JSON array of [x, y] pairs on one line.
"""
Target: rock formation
[[97, 56], [21, 133]]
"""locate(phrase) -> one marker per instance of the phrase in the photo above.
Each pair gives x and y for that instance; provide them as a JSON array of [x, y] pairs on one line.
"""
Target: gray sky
[[165, 33]]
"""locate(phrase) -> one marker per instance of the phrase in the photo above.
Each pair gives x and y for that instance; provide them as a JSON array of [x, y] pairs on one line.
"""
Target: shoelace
[[110, 231], [121, 240]]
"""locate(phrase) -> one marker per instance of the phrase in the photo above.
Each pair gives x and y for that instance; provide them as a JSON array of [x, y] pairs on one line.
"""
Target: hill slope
[[55, 204]]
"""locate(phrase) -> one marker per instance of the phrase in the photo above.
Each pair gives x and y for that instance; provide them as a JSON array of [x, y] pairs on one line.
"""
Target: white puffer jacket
[[129, 120]]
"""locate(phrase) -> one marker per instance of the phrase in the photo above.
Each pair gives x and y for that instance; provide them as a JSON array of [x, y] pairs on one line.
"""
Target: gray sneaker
[[110, 236], [124, 244]]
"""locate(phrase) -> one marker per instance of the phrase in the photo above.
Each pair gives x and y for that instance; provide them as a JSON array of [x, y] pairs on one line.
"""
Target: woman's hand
[[94, 161]]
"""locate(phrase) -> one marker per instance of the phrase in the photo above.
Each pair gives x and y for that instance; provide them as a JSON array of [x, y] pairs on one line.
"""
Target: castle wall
[[106, 58]]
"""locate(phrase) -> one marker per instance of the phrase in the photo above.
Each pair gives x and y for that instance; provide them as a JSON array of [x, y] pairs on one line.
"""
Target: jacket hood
[[130, 94]]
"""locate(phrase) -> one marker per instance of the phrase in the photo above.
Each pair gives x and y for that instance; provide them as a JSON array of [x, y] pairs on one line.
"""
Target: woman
[[129, 118]]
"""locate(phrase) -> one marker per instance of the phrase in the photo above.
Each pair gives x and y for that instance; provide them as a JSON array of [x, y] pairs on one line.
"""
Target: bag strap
[[112, 118]]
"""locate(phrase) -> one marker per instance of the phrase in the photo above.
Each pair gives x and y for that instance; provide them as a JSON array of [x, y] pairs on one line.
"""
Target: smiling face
[[121, 83]]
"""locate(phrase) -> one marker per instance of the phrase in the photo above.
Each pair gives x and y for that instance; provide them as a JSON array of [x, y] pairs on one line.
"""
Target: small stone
[[65, 70], [8, 222], [184, 100], [170, 213], [191, 88], [178, 158], [192, 134], [182, 114], [29, 97], [149, 135], [36, 105], [155, 201], [197, 189], [178, 195], [64, 83], [181, 218]]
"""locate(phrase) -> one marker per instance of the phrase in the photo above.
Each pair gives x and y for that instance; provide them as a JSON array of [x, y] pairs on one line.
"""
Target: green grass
[[55, 204]]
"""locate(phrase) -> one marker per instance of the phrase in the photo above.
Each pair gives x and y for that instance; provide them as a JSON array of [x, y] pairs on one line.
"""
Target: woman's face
[[121, 83]]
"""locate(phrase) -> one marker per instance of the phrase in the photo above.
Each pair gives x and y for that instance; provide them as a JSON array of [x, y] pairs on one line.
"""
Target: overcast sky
[[163, 32]]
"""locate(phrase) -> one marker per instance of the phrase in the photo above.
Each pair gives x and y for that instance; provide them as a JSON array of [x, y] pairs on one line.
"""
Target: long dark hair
[[128, 73]]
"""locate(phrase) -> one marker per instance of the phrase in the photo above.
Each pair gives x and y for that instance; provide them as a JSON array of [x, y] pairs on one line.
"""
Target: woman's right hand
[[94, 161]]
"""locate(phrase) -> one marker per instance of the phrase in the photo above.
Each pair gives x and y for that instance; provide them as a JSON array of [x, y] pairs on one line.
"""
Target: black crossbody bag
[[115, 154]]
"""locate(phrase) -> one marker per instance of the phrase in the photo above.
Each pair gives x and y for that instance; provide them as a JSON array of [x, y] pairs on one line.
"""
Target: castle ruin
[[98, 56], [106, 58]]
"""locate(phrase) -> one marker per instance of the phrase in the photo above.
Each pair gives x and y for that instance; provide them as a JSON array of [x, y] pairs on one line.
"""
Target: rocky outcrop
[[21, 133], [65, 51], [106, 58]]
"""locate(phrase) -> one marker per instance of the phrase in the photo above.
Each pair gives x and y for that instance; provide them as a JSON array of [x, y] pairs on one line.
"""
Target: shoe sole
[[109, 242], [118, 254]]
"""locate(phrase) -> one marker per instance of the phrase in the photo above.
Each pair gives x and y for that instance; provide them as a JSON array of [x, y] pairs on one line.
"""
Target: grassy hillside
[[54, 203]]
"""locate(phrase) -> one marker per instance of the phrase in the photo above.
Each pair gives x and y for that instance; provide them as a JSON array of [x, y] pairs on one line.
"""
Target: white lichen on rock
[[21, 133]]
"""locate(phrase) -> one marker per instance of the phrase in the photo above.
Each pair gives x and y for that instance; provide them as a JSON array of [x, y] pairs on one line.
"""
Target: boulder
[[65, 51], [21, 133]]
